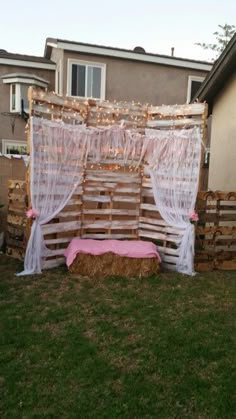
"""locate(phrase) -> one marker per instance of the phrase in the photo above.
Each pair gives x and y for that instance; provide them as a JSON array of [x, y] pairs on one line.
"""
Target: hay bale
[[110, 264]]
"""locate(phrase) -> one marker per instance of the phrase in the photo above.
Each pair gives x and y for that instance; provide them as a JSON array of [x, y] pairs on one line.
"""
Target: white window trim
[[92, 63], [19, 81], [56, 80], [59, 75], [190, 79], [9, 143], [23, 80], [23, 63], [17, 97]]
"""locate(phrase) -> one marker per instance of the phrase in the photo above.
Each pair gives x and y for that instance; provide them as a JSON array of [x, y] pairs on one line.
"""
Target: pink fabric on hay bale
[[128, 248]]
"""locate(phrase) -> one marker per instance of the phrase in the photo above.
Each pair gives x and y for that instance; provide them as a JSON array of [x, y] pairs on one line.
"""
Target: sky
[[155, 25]]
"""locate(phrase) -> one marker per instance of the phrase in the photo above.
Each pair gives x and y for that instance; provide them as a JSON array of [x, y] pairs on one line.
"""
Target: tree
[[223, 36]]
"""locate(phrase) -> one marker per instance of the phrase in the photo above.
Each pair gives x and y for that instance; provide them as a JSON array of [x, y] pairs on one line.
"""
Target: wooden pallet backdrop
[[113, 201]]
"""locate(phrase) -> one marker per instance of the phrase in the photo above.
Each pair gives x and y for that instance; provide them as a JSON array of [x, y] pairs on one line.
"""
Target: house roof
[[222, 70], [23, 60], [24, 76], [138, 54]]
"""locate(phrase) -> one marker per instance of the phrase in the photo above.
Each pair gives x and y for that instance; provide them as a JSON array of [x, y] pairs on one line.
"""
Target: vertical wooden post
[[203, 146], [111, 193], [141, 173], [82, 202], [29, 221]]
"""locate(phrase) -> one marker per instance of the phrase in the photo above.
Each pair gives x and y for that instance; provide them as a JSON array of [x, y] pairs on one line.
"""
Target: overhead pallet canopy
[[104, 113]]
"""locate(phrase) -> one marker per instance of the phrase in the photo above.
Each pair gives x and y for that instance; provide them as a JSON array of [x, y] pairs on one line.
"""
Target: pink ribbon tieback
[[32, 213], [193, 217]]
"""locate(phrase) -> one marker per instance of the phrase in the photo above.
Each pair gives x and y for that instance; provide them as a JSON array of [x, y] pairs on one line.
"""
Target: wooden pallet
[[216, 231], [16, 219]]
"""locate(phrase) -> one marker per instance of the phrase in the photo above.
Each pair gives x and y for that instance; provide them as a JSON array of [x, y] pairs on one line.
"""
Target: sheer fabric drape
[[57, 158], [174, 164]]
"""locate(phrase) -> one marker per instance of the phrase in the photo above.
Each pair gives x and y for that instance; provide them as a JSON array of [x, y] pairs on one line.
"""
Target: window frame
[[9, 143], [17, 108], [189, 89], [59, 78], [86, 64], [19, 81], [18, 97], [207, 155]]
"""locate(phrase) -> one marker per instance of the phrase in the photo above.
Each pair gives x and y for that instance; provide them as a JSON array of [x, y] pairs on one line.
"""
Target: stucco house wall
[[137, 81], [222, 170]]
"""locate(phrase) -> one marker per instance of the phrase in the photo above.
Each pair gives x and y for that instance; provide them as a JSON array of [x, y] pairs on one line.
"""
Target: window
[[19, 93], [208, 143], [206, 161], [86, 79], [13, 97], [14, 147], [194, 83], [19, 84]]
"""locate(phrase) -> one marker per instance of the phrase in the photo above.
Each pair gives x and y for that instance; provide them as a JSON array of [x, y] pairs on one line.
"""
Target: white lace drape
[[57, 158], [59, 153], [174, 164]]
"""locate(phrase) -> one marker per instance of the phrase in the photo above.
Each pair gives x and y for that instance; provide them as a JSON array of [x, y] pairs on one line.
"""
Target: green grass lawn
[[162, 347]]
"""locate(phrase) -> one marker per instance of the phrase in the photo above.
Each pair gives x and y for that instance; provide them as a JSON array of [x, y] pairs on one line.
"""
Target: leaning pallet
[[16, 219], [216, 231]]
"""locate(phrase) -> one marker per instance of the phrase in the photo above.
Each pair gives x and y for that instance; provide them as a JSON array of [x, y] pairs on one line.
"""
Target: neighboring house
[[17, 73], [85, 70], [219, 91]]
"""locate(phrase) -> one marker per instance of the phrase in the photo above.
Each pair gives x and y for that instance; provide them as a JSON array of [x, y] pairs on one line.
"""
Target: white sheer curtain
[[174, 164], [57, 158]]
